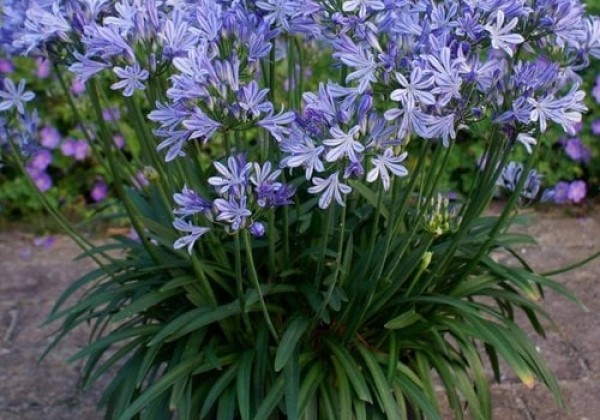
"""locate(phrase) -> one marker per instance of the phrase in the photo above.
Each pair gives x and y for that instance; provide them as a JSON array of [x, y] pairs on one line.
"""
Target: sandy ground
[[31, 278]]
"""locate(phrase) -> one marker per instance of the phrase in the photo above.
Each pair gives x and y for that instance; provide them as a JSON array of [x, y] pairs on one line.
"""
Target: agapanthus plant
[[294, 256]]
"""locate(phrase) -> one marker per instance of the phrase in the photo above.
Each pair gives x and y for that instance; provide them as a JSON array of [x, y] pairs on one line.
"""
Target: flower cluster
[[566, 192], [243, 189], [409, 69]]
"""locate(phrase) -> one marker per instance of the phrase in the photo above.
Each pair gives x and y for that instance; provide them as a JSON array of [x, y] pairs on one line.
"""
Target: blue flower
[[257, 229], [446, 76], [85, 68], [15, 96], [234, 177], [177, 36], [362, 6], [193, 234], [233, 211], [174, 141], [252, 100], [190, 203], [200, 125], [302, 151], [132, 78], [363, 61], [330, 188], [343, 144], [384, 164], [275, 124], [417, 90], [501, 36]]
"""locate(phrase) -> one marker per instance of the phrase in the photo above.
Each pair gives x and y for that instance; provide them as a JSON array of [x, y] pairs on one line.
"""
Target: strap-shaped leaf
[[404, 320], [243, 383], [289, 341]]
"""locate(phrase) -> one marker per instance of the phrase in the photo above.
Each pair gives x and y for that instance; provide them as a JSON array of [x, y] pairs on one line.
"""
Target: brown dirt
[[31, 278]]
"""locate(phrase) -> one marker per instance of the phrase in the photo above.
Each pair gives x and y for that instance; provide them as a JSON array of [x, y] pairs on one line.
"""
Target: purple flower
[[361, 60], [274, 123], [43, 68], [119, 141], [111, 114], [78, 149], [596, 92], [45, 242], [561, 192], [86, 68], [14, 96], [49, 137], [577, 191], [41, 160], [302, 151], [42, 181], [577, 151], [362, 6], [99, 191], [596, 127], [6, 65], [77, 87], [200, 125]]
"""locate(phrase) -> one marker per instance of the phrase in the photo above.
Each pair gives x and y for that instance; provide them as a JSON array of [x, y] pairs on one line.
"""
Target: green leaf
[[349, 365], [383, 389], [115, 337], [312, 380], [291, 372], [271, 400], [243, 383], [343, 388], [175, 373], [217, 389], [408, 318], [289, 341], [371, 197], [226, 407], [139, 305]]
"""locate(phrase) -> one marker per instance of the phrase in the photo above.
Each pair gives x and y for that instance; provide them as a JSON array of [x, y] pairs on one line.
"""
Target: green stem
[[508, 209], [324, 241], [149, 150], [271, 246], [338, 265], [256, 284], [134, 214], [239, 282]]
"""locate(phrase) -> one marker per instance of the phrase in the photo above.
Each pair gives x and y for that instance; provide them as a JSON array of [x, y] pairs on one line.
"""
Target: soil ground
[[31, 278]]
